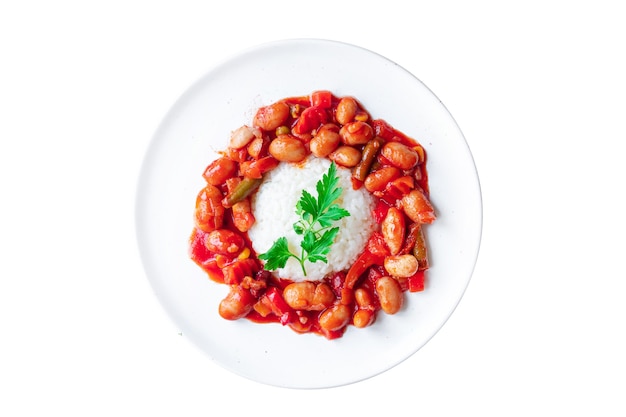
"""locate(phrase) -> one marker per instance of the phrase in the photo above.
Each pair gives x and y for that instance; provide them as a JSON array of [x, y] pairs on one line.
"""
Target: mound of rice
[[274, 207]]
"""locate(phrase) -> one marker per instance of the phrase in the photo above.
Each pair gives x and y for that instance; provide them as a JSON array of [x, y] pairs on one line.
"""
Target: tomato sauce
[[358, 294]]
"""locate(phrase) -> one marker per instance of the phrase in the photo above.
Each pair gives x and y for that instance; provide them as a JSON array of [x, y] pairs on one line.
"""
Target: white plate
[[200, 122]]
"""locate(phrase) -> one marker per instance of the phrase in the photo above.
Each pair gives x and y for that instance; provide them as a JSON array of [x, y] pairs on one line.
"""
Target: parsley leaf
[[317, 249], [317, 216], [327, 190], [333, 214], [277, 255]]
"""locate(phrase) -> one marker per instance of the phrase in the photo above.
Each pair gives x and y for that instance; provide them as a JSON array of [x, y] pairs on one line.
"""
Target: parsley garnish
[[317, 216]]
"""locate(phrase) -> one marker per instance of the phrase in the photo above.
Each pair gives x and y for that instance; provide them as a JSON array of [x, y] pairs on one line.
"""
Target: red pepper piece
[[235, 272], [279, 307], [198, 251], [375, 252], [400, 186], [411, 237], [380, 211], [377, 246], [322, 99], [256, 168], [332, 334], [416, 281], [364, 261], [383, 129], [310, 119]]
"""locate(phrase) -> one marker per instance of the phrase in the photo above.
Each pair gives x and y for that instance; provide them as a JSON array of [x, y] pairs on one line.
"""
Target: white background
[[537, 88]]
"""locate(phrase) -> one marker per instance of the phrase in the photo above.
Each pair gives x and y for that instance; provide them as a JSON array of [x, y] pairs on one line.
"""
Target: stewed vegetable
[[382, 161]]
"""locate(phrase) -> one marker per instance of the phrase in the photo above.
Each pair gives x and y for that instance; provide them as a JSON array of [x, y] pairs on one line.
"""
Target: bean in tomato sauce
[[385, 162]]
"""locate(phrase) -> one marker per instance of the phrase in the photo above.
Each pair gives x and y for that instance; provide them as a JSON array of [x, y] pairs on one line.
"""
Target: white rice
[[274, 207]]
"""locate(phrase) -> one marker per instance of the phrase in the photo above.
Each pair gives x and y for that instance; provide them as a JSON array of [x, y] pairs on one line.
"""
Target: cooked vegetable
[[370, 150], [241, 191], [419, 250], [369, 268]]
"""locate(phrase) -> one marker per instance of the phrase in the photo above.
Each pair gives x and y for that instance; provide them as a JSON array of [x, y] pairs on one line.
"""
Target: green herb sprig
[[317, 216]]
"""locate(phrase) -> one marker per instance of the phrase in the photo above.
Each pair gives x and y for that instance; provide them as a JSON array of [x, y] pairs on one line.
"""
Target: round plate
[[200, 123]]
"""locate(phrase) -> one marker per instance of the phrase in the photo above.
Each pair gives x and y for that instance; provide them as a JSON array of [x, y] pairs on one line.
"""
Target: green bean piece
[[419, 250], [241, 191], [370, 150]]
